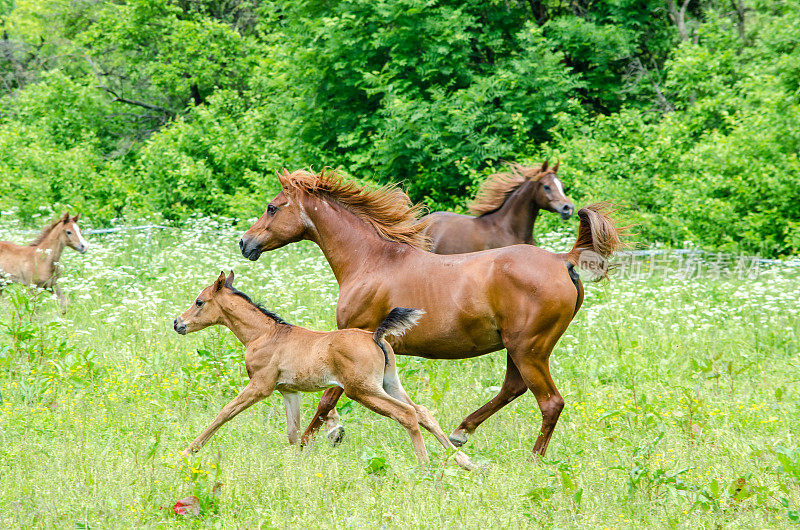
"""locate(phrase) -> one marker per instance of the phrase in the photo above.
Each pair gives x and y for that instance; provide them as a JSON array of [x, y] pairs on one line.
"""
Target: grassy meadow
[[680, 381]]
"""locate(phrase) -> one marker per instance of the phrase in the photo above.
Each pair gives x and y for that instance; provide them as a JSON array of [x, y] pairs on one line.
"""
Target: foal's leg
[[250, 395], [513, 387], [531, 357], [392, 385], [291, 400], [326, 405], [379, 401], [62, 299]]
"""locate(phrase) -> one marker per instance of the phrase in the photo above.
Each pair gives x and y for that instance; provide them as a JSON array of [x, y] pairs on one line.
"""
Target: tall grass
[[681, 395]]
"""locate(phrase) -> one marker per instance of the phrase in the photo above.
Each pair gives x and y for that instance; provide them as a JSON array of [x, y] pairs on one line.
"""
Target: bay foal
[[521, 298], [505, 211], [37, 263], [292, 359]]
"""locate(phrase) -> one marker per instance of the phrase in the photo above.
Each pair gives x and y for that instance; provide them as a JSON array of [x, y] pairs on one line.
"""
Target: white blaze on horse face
[[559, 185], [83, 243]]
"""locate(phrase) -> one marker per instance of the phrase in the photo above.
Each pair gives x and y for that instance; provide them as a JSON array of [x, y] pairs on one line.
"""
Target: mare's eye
[[199, 303], [546, 188], [271, 209]]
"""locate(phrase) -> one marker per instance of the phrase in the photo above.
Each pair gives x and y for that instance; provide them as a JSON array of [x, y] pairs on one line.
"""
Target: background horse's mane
[[494, 191], [387, 209], [45, 232]]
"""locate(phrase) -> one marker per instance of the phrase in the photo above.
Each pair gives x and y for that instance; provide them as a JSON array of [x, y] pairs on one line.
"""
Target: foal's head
[[549, 194], [207, 309], [66, 231]]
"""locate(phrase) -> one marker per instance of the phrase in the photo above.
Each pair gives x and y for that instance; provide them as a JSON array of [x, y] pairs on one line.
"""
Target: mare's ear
[[555, 167], [229, 280], [283, 177], [75, 219], [220, 281], [544, 166]]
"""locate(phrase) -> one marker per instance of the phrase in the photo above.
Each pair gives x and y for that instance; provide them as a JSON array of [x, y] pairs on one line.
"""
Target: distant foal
[[292, 359], [37, 263], [505, 211], [521, 298]]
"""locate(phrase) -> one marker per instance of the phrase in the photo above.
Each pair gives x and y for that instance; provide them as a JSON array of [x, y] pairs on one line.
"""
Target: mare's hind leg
[[513, 387], [326, 405], [531, 357], [392, 386]]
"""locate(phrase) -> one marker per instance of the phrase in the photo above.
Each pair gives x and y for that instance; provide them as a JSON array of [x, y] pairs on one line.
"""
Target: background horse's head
[[281, 223], [69, 233], [206, 309], [549, 194]]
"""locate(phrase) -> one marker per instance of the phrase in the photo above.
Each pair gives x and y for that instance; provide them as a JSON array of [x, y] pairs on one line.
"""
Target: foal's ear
[[229, 280], [544, 166], [555, 167], [65, 217], [220, 281], [75, 219]]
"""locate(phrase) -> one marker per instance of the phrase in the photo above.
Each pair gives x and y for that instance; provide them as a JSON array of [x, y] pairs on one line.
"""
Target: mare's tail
[[398, 321], [601, 235]]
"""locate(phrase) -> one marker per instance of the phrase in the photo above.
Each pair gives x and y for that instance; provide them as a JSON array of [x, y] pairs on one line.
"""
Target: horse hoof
[[336, 435], [458, 438]]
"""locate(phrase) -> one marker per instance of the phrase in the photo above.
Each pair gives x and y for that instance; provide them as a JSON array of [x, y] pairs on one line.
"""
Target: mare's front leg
[[291, 400], [326, 405], [513, 387], [251, 394]]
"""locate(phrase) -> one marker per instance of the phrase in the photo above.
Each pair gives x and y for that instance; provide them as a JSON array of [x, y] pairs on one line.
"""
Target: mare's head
[[549, 193], [387, 209], [206, 310], [282, 223]]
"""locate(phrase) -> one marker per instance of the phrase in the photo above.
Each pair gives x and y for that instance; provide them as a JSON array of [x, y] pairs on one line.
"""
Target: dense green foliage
[[688, 117]]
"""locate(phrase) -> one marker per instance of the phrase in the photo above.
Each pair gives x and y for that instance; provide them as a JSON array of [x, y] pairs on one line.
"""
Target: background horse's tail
[[398, 321], [598, 232]]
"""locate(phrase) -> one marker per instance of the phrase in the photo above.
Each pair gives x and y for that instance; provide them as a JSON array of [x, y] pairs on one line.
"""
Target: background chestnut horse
[[37, 263], [505, 210], [521, 298]]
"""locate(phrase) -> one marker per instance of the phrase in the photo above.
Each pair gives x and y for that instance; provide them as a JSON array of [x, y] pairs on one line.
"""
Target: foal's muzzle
[[179, 326], [249, 250], [566, 211]]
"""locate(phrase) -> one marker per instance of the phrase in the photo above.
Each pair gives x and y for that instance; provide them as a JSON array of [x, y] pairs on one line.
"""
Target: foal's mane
[[496, 189], [387, 209], [260, 307], [45, 232]]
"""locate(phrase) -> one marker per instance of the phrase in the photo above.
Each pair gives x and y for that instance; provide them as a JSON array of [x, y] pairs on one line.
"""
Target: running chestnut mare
[[291, 359], [505, 211], [37, 263], [521, 298]]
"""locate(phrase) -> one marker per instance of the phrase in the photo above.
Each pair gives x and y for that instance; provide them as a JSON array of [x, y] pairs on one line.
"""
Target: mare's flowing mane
[[494, 191], [387, 209], [45, 232]]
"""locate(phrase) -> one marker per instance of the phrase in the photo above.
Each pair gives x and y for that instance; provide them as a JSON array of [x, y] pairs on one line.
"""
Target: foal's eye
[[271, 209], [69, 232], [199, 303], [546, 188]]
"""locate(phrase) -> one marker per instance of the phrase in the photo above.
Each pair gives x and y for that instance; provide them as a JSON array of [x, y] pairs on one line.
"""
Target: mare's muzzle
[[249, 249]]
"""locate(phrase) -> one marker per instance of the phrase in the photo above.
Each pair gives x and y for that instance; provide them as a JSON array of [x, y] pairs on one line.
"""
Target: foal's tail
[[599, 233], [398, 321]]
